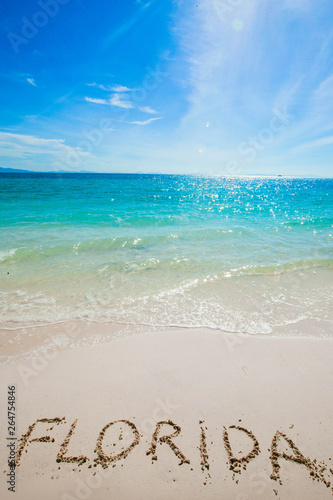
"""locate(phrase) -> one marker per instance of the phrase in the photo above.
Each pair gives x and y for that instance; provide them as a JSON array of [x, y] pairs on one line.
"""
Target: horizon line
[[4, 170]]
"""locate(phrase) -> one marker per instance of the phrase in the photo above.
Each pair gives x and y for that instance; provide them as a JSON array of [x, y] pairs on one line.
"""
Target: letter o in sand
[[104, 459]]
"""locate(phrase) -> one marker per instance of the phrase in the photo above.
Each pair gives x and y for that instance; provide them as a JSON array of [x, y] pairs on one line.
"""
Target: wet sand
[[173, 415]]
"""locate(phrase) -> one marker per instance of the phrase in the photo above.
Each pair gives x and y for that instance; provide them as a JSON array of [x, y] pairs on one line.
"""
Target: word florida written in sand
[[126, 434]]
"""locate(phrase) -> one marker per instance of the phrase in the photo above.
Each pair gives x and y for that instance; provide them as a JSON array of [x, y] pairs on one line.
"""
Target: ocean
[[236, 254]]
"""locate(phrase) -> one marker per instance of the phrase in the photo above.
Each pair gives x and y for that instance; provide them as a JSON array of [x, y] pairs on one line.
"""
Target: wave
[[251, 301], [281, 268], [114, 243], [7, 254], [157, 252]]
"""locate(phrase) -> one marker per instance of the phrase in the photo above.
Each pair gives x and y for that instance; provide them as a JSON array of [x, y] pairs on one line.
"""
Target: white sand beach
[[91, 419]]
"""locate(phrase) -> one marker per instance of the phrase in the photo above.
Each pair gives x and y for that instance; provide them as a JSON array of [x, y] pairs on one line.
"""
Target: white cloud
[[324, 90], [117, 101], [146, 122], [96, 101], [147, 109], [324, 141], [143, 4], [111, 88], [23, 145], [118, 88], [31, 81], [30, 140], [214, 61]]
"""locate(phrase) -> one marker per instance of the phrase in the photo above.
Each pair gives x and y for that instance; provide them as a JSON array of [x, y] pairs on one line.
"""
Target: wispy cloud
[[147, 109], [236, 89], [119, 88], [96, 100], [112, 88], [143, 3], [213, 76], [24, 145], [146, 122], [32, 82], [323, 141], [116, 100], [30, 140], [324, 90], [128, 25]]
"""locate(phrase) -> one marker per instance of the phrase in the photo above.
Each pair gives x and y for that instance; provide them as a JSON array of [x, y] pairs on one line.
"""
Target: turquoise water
[[155, 248]]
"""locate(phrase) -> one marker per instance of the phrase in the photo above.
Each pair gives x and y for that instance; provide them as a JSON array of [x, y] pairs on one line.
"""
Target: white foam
[[7, 253]]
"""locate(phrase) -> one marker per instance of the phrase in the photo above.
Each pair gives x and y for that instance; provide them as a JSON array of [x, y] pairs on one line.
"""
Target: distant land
[[20, 171], [13, 170]]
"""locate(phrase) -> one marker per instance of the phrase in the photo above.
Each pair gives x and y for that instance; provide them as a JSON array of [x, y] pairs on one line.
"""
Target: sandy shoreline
[[206, 384], [280, 303]]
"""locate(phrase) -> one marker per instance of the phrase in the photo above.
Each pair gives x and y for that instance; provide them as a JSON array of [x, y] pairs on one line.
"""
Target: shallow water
[[235, 254]]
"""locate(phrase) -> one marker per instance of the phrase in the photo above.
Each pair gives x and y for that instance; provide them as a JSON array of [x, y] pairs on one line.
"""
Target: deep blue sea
[[238, 254]]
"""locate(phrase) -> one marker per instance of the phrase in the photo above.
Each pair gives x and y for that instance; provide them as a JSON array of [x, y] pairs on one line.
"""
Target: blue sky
[[218, 87]]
